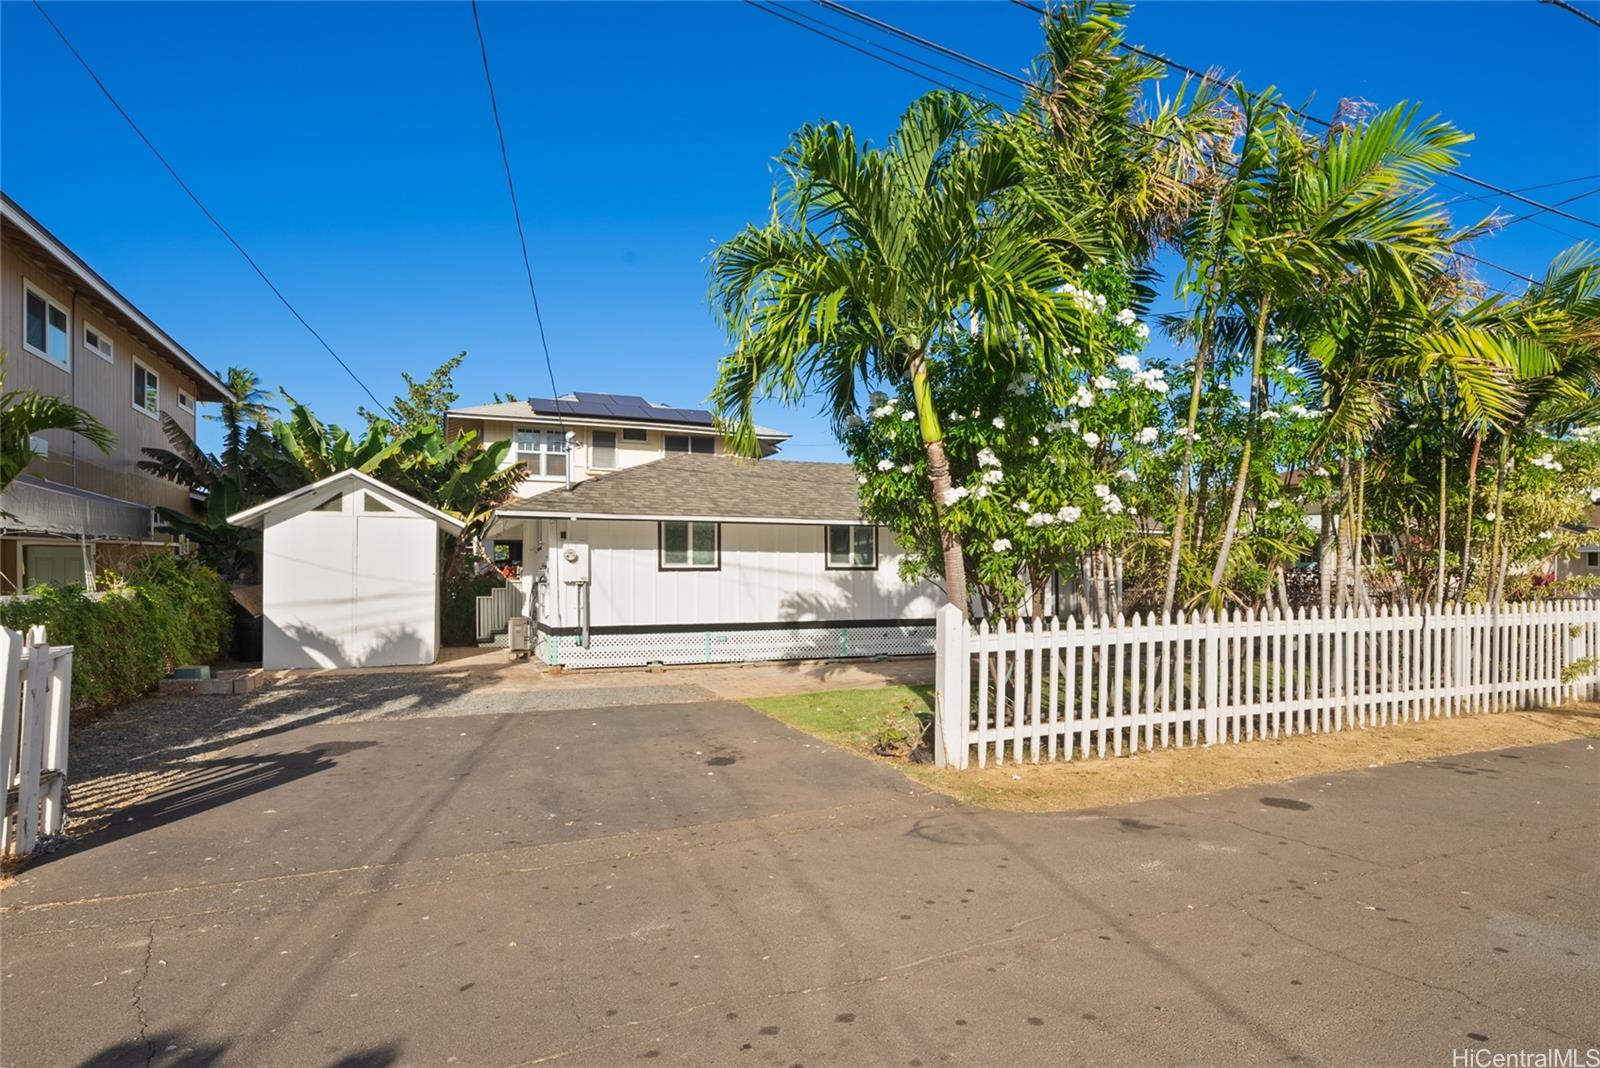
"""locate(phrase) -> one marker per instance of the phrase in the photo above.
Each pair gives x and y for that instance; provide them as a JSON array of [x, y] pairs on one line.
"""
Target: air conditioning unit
[[519, 636]]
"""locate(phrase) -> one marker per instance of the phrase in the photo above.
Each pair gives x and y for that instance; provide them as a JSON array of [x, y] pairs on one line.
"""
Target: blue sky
[[350, 148]]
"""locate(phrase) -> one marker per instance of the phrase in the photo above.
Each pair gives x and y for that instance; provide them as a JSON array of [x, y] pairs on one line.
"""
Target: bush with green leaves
[[166, 612]]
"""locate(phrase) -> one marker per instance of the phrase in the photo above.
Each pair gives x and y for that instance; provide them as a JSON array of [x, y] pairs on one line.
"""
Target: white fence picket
[[1061, 690], [35, 706]]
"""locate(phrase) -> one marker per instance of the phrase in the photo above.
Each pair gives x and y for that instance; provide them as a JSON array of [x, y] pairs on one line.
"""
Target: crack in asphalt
[[1404, 978], [138, 995]]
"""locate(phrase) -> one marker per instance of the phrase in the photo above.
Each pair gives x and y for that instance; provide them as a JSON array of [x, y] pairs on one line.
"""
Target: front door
[[52, 565]]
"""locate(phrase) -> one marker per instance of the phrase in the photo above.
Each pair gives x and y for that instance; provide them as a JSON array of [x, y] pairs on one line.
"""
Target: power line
[[907, 35], [790, 15], [1584, 15], [1227, 84], [223, 230], [516, 213]]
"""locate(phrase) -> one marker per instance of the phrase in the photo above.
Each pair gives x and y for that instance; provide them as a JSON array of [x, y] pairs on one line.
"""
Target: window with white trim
[[185, 402], [634, 433], [543, 451], [689, 443], [46, 327], [852, 548], [603, 449], [98, 343], [690, 546], [146, 390]]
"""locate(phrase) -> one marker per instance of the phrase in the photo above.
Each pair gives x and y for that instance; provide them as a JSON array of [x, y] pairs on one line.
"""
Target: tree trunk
[[1496, 572], [1466, 539], [1324, 577], [1178, 515], [955, 564], [1232, 528], [1444, 497]]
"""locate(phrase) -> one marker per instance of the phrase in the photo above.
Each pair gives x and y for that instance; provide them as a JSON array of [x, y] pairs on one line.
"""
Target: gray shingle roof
[[708, 487]]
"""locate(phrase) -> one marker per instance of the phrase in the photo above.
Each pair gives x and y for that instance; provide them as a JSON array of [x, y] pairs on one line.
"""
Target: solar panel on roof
[[620, 406]]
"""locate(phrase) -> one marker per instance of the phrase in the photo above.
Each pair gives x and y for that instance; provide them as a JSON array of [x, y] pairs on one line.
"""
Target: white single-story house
[[350, 575], [705, 558]]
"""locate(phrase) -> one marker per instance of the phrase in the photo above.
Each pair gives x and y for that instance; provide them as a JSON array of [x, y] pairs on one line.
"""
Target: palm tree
[[25, 413], [874, 257], [247, 410], [1299, 219]]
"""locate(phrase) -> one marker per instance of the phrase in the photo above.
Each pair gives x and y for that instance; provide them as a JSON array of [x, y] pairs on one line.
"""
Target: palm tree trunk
[[1438, 582], [1466, 539], [955, 564], [1496, 572], [1180, 508], [1229, 531]]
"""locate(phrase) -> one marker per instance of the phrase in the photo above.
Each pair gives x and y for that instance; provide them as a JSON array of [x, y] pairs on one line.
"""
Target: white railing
[[35, 705], [1056, 690], [495, 609]]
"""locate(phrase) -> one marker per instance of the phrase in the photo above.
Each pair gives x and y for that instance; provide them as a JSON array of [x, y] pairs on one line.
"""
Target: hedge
[[166, 612]]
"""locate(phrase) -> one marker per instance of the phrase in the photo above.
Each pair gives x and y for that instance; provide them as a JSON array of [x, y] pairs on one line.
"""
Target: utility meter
[[574, 562]]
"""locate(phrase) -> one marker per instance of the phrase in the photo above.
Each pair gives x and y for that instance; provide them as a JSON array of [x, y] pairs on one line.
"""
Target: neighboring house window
[[544, 451], [1591, 558], [98, 343], [852, 548], [687, 546], [46, 330], [603, 449], [633, 433], [690, 443], [146, 390], [185, 401]]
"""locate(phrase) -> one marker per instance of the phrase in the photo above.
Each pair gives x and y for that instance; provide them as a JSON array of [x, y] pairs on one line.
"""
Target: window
[[332, 504], [1591, 558], [146, 390], [98, 343], [690, 546], [633, 433], [369, 503], [185, 401], [45, 327], [689, 443], [603, 449], [544, 451], [852, 548]]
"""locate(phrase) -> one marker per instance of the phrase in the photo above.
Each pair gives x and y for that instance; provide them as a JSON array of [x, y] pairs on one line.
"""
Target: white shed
[[350, 575]]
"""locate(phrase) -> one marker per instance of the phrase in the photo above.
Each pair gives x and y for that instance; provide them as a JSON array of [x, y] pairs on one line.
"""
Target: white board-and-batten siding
[[768, 573]]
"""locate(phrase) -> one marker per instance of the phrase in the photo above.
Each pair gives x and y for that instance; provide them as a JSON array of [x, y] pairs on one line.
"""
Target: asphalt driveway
[[688, 881]]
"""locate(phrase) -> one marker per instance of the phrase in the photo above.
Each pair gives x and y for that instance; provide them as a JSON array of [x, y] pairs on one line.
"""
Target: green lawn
[[851, 718]]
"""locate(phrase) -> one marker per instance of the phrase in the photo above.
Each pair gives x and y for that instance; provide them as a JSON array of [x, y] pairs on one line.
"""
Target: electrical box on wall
[[574, 562]]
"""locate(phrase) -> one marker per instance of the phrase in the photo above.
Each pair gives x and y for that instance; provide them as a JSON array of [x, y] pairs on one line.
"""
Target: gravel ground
[[144, 746]]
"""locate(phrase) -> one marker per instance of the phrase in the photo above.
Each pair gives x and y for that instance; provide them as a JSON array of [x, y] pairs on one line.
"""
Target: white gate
[[35, 705]]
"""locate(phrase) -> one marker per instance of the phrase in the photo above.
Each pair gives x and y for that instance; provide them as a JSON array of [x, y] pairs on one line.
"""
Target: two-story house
[[65, 331]]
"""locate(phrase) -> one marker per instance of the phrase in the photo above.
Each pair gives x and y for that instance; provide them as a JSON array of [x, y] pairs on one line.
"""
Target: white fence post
[[35, 706], [950, 694], [10, 722]]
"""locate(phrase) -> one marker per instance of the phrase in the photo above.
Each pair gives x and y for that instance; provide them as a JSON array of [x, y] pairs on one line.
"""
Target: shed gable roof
[[257, 516], [694, 486]]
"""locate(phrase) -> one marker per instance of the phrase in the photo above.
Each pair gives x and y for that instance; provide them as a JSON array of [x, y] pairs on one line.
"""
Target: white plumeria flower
[[853, 420], [1102, 490], [1112, 504], [1001, 545], [1268, 413], [907, 415], [1127, 474], [1069, 513], [905, 469], [1102, 383], [998, 422], [1129, 362], [1148, 435], [1072, 425], [861, 480], [1274, 505], [1041, 519], [1544, 535], [992, 476], [1024, 507], [1141, 331], [1489, 516], [885, 465], [1125, 317], [1091, 439], [1321, 472], [983, 491], [1033, 439], [955, 417], [1083, 398], [987, 458], [953, 494], [1132, 510]]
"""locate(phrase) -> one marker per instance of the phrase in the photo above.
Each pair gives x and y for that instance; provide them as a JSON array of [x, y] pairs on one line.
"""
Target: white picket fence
[[35, 708], [1058, 690], [495, 609]]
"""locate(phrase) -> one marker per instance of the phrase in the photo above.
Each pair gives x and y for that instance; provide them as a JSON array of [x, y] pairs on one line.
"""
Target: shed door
[[308, 562], [394, 618]]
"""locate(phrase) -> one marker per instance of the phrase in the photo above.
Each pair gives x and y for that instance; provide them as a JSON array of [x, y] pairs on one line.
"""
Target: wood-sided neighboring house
[[66, 331], [693, 558]]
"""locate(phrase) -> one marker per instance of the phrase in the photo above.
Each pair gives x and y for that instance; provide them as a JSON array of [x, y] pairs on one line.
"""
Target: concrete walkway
[[457, 883]]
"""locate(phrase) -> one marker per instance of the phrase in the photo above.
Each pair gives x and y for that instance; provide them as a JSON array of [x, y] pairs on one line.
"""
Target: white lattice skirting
[[732, 645]]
